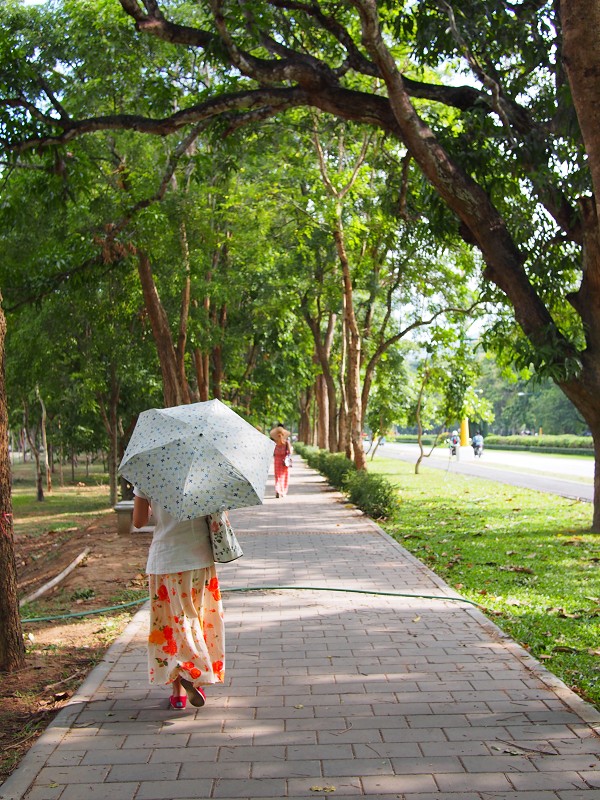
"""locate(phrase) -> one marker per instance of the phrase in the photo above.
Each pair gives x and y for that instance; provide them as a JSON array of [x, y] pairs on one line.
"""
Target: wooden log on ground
[[55, 581]]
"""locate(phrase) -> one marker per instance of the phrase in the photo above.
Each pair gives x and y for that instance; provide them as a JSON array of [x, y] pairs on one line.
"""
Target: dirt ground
[[60, 653]]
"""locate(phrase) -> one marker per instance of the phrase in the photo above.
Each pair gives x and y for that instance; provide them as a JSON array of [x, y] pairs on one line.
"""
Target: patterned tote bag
[[224, 542]]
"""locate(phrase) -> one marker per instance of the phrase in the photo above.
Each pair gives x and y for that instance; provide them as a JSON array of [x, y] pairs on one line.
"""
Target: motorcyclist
[[454, 443], [477, 444]]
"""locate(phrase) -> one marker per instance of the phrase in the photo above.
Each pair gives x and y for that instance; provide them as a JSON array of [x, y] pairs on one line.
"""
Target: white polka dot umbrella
[[196, 459]]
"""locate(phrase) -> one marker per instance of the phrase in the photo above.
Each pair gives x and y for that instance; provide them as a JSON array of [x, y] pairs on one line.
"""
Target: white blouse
[[177, 546]]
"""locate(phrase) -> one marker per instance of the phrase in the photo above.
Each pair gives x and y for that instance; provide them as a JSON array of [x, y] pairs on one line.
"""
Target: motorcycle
[[454, 444], [477, 450]]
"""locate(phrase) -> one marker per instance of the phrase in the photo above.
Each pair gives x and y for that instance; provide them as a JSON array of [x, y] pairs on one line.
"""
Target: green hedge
[[549, 443], [565, 442], [334, 466], [373, 494]]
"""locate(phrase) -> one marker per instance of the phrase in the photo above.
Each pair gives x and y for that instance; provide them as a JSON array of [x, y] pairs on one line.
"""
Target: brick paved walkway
[[328, 694]]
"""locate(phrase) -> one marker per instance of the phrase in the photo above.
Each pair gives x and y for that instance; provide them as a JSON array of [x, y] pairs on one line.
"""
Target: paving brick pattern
[[328, 693]]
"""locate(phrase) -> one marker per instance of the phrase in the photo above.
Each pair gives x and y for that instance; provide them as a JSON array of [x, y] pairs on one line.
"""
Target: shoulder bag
[[225, 545]]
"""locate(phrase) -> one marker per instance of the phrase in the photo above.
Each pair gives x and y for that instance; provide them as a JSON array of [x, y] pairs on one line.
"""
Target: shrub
[[545, 442], [373, 494], [335, 467]]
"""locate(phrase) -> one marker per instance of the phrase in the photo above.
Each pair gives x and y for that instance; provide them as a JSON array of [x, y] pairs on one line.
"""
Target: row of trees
[[275, 264], [143, 195]]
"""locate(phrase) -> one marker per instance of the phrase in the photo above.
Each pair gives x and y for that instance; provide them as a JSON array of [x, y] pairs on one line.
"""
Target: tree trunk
[[31, 438], [420, 424], [344, 444], [581, 57], [44, 442], [217, 372], [354, 351], [580, 21], [184, 313], [323, 416], [111, 424], [328, 396], [12, 649], [173, 393], [304, 424], [202, 373]]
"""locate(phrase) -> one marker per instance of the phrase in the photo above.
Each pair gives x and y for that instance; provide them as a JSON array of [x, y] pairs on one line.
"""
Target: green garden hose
[[262, 589]]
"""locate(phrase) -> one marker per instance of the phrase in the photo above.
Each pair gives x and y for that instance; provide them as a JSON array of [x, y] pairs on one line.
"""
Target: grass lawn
[[66, 506], [526, 557]]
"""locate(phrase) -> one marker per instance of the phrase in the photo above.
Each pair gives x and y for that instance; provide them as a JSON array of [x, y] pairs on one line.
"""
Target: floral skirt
[[187, 634]]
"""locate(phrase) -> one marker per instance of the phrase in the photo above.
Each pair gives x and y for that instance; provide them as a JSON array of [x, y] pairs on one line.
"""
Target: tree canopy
[[483, 111]]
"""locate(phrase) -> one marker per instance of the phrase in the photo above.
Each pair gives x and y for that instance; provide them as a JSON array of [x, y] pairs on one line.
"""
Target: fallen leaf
[[515, 568]]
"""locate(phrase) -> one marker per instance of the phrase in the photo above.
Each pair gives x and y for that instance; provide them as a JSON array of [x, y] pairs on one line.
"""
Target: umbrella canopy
[[196, 459]]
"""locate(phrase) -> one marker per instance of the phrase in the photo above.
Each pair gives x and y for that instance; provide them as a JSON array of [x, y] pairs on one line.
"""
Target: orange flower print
[[219, 670], [156, 637], [170, 647], [163, 593], [188, 666], [213, 587], [168, 632]]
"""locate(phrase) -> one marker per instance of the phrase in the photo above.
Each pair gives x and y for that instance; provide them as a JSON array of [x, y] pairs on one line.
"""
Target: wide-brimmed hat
[[279, 432]]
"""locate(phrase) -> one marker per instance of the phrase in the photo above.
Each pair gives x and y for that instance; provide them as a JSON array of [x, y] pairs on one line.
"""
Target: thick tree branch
[[308, 71], [212, 109]]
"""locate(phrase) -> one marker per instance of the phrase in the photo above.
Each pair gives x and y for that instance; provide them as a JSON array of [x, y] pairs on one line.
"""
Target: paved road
[[569, 476], [328, 693]]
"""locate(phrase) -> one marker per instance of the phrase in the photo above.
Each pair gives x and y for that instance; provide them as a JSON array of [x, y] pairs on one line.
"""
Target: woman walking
[[186, 643], [282, 455]]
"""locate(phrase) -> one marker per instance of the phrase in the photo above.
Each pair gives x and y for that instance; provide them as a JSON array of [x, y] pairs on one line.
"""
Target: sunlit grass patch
[[63, 508], [526, 557]]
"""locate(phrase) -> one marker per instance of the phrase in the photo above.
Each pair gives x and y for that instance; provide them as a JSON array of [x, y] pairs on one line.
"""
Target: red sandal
[[195, 694], [177, 702]]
